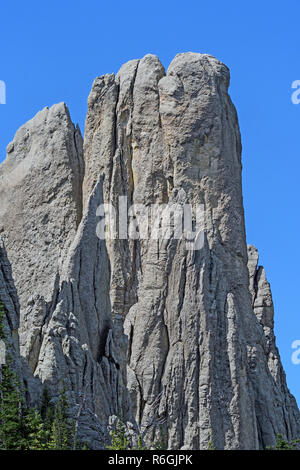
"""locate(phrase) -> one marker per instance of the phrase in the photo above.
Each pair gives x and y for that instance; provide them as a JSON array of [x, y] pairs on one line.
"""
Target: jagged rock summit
[[178, 341], [41, 207]]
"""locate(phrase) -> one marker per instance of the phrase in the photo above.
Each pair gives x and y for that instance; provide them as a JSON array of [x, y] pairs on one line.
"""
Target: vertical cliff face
[[281, 411], [10, 345], [83, 344], [176, 339], [10, 306], [62, 274], [41, 207], [198, 347]]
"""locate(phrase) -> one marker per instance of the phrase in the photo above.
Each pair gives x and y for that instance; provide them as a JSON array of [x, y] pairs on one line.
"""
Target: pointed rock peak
[[44, 128], [195, 68], [44, 171], [199, 360]]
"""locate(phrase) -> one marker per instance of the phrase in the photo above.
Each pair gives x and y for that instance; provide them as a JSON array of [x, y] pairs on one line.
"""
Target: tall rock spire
[[197, 349], [41, 207], [177, 340]]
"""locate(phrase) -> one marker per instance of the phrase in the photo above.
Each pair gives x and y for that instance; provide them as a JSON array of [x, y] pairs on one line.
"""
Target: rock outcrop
[[83, 345], [10, 329], [41, 207], [197, 348], [281, 413], [10, 307], [178, 340]]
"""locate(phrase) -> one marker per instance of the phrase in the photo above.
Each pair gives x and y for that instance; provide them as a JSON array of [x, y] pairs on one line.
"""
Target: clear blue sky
[[52, 51]]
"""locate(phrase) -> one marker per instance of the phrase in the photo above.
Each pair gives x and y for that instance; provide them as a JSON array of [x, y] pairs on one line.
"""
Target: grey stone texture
[[41, 207], [179, 342]]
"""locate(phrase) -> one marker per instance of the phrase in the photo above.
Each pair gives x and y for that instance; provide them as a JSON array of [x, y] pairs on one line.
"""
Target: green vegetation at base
[[51, 428], [24, 428], [282, 444], [120, 441]]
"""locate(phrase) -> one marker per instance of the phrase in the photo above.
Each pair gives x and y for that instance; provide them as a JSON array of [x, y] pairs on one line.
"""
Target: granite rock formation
[[180, 342], [10, 324], [41, 207]]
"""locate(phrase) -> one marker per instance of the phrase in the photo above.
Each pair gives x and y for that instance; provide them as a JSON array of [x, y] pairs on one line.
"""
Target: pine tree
[[38, 433], [23, 428], [119, 440], [13, 423], [282, 444], [62, 432]]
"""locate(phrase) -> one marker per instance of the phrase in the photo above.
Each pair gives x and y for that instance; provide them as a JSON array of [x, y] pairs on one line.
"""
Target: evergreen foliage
[[16, 420], [282, 444], [13, 416], [23, 428], [119, 441], [51, 428], [63, 429]]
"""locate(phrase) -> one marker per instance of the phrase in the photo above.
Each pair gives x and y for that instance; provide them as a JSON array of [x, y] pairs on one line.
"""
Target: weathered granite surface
[[178, 341], [41, 207], [197, 348], [10, 342]]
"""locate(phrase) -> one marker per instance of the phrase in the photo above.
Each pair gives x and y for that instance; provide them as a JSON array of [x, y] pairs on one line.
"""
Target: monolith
[[176, 336], [41, 207]]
